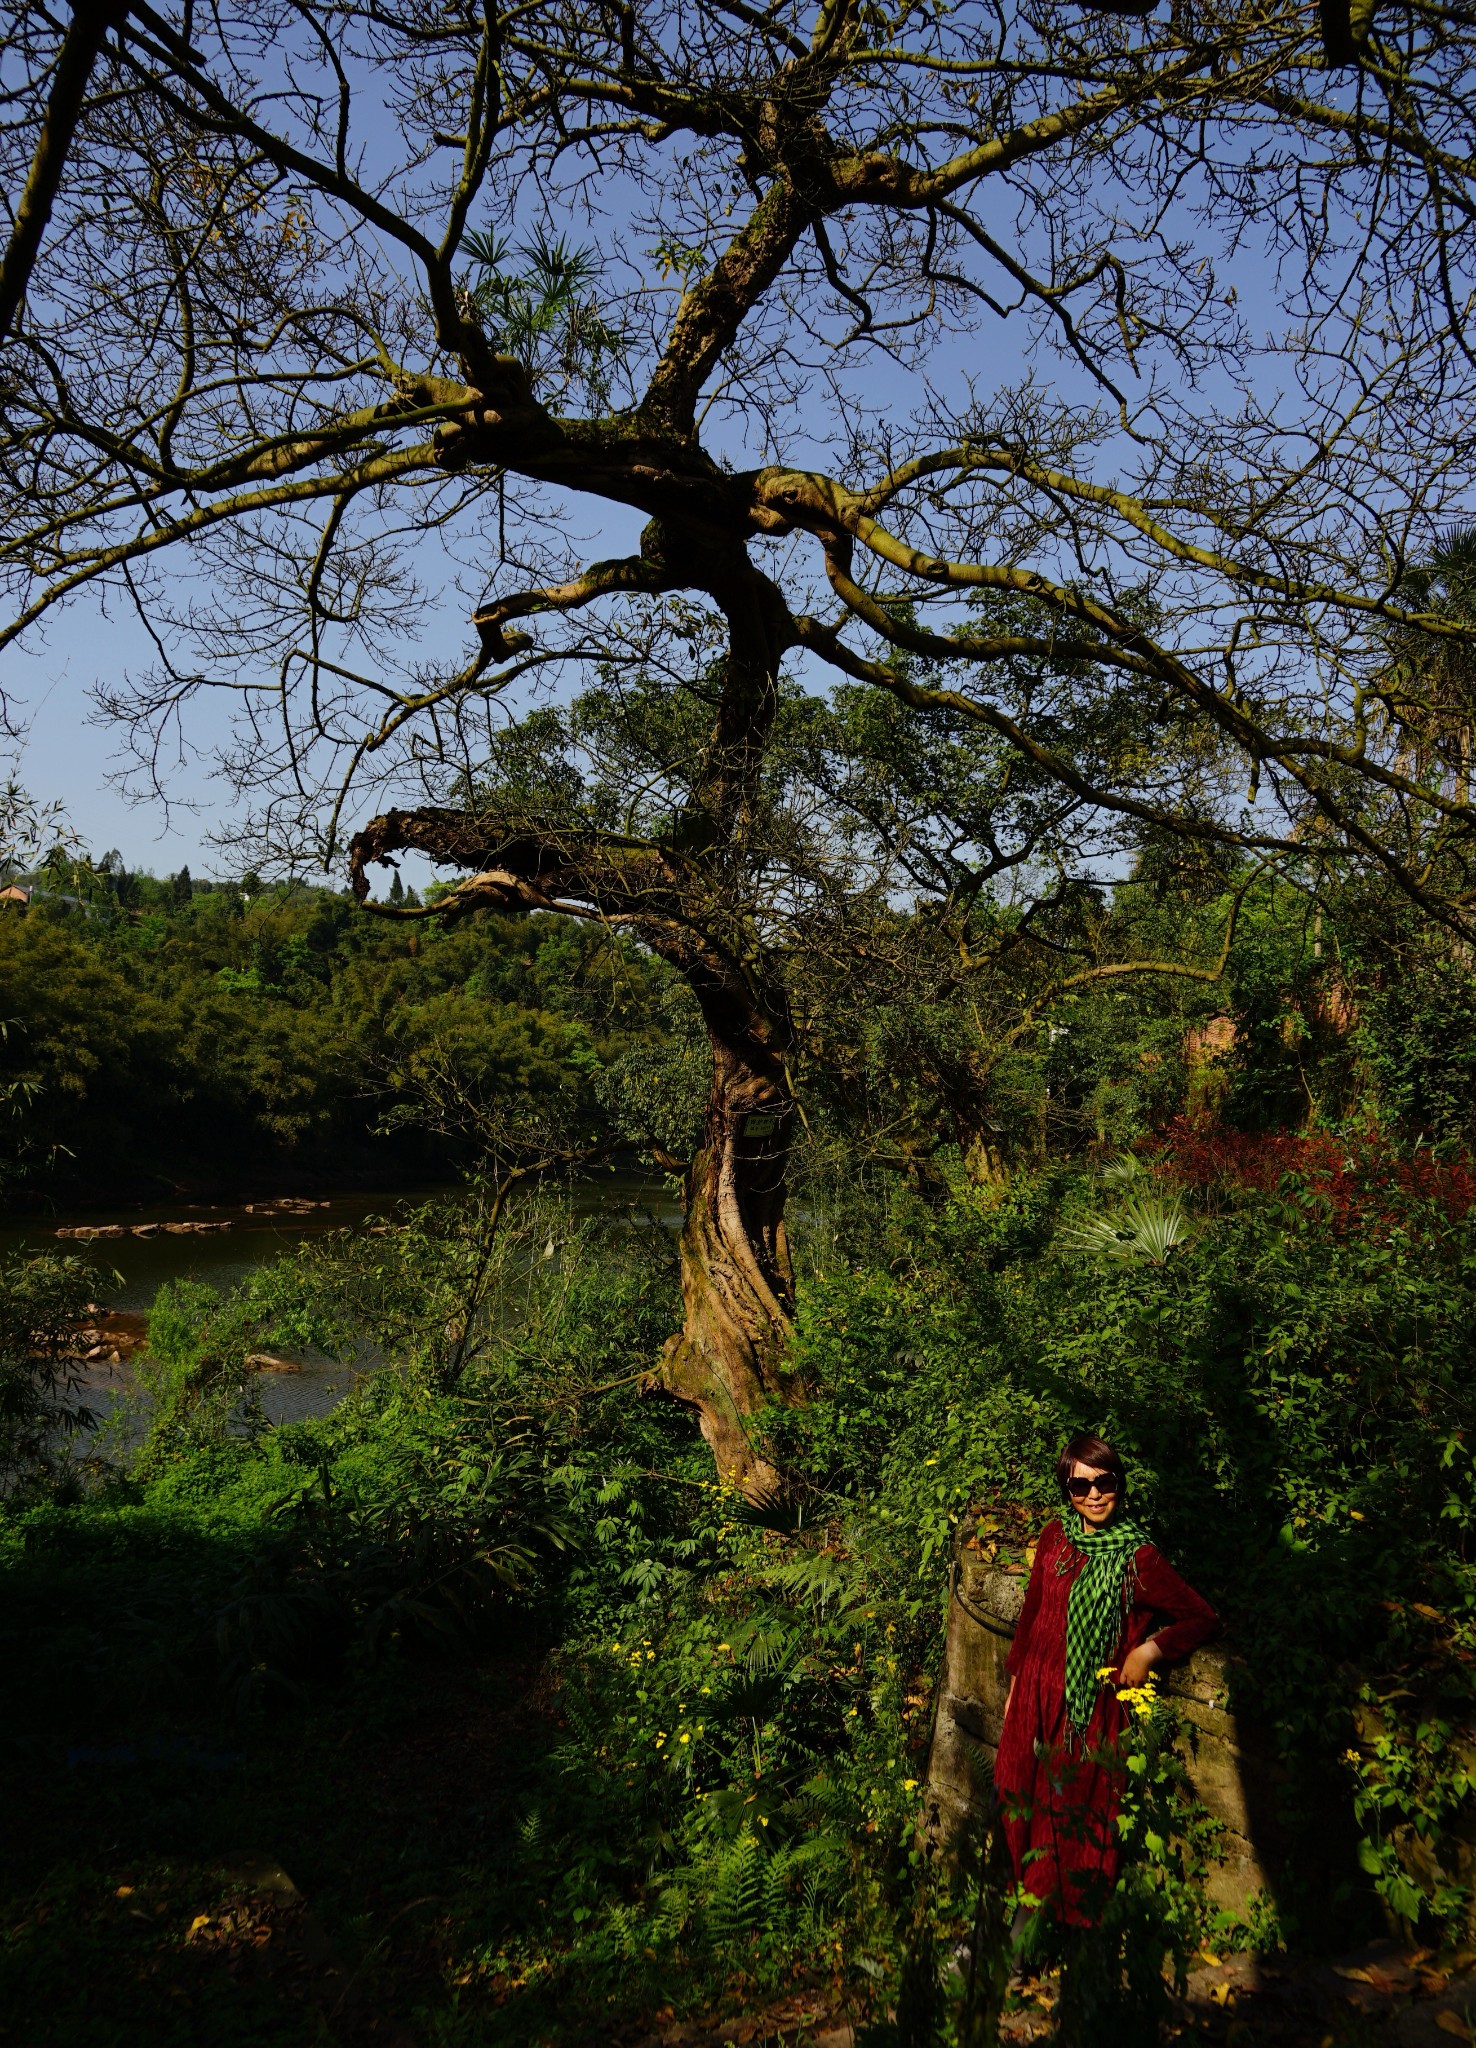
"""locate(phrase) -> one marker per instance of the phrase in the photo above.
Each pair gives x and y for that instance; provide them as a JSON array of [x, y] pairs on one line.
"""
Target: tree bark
[[728, 1361]]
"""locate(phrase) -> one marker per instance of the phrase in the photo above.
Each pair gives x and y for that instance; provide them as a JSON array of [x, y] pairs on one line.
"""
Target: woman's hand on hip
[[1138, 1662]]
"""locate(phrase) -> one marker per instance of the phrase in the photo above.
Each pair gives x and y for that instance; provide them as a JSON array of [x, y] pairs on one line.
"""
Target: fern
[[822, 1578], [533, 1833], [736, 1903], [766, 1646]]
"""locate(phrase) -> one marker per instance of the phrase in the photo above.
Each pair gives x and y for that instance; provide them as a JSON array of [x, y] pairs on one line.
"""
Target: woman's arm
[[1191, 1620]]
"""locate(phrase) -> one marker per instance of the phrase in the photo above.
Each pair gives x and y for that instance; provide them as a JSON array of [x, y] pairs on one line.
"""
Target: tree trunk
[[728, 1360], [986, 1165]]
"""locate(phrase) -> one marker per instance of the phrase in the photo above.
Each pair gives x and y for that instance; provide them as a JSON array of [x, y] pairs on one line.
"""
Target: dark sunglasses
[[1102, 1483]]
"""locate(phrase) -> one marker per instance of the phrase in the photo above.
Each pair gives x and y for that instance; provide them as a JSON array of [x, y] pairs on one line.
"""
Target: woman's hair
[[1086, 1449]]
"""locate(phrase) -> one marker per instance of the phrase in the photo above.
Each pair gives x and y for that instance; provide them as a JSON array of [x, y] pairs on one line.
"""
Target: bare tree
[[335, 315]]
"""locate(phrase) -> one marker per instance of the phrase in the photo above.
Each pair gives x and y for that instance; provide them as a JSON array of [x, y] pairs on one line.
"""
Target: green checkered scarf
[[1097, 1606]]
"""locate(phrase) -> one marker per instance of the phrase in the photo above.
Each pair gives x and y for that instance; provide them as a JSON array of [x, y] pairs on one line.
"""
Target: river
[[257, 1233]]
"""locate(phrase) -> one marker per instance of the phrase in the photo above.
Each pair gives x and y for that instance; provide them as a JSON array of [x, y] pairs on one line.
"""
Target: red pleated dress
[[1059, 1803]]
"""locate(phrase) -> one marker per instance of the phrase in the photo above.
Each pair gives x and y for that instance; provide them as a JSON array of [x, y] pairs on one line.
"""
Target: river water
[[222, 1258], [257, 1235]]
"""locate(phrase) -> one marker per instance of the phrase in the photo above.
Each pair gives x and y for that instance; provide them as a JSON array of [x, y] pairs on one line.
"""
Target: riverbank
[[137, 1252]]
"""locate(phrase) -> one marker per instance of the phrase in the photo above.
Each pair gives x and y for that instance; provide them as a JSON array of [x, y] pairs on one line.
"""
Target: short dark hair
[[1086, 1449]]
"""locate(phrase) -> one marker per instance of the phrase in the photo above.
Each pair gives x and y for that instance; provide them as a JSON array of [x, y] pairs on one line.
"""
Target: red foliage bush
[[1363, 1180]]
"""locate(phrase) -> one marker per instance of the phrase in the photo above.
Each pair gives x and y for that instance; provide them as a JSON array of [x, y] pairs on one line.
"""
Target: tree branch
[[91, 20]]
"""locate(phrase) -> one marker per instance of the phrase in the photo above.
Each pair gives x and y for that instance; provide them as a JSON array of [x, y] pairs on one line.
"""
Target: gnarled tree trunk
[[728, 1360]]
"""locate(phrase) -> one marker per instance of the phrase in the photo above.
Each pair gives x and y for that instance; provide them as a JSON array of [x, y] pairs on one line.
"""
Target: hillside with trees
[[164, 1039]]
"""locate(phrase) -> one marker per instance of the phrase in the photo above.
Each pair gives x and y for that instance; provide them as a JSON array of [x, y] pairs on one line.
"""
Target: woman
[[1099, 1596]]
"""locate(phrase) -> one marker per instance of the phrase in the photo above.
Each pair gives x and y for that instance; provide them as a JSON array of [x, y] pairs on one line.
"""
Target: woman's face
[[1098, 1504]]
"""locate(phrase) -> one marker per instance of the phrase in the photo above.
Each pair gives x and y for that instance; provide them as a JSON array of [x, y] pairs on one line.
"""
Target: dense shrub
[[1366, 1183], [740, 1698], [43, 1304]]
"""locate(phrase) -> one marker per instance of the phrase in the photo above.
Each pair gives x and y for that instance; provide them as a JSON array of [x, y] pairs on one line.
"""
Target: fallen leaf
[[1451, 2023], [1380, 1980], [200, 1920]]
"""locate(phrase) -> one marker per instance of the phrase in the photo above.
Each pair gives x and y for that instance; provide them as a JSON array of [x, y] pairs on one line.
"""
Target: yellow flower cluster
[[1139, 1700]]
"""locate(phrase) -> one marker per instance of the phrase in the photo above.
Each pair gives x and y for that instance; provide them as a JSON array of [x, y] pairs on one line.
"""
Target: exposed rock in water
[[88, 1231], [268, 1361], [110, 1335]]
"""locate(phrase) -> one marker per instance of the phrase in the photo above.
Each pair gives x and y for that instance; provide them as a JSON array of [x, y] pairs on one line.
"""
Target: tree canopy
[[312, 291]]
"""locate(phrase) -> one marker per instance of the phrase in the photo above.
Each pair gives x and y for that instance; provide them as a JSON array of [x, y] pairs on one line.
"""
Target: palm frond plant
[[1122, 1169], [1147, 1230]]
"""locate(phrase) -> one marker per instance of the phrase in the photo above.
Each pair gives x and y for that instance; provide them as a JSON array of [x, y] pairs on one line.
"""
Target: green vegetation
[[1001, 839], [42, 1300], [555, 1734], [159, 1033]]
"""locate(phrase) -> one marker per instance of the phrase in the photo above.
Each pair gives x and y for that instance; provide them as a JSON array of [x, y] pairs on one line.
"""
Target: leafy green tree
[[1186, 539], [222, 1034]]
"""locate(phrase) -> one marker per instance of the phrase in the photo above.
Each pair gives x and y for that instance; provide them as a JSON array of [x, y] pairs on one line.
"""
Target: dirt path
[[1382, 1997]]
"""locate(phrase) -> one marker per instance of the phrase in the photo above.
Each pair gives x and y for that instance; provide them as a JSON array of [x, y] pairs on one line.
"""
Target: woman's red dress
[[1060, 1805]]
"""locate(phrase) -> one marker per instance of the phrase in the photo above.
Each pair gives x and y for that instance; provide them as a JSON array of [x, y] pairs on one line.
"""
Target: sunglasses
[[1103, 1482]]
